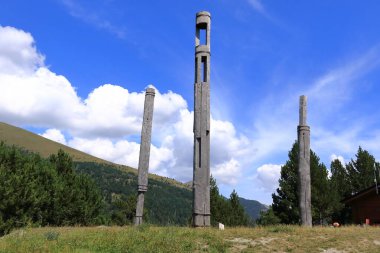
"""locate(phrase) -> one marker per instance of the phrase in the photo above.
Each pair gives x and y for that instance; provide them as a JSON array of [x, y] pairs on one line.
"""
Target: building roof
[[361, 194]]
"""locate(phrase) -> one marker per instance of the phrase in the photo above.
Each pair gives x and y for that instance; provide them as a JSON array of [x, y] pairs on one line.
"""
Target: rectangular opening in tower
[[199, 142], [204, 69], [196, 69], [202, 36]]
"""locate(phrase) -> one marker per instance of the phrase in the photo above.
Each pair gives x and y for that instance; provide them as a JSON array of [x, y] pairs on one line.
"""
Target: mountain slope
[[252, 207], [12, 135], [172, 198]]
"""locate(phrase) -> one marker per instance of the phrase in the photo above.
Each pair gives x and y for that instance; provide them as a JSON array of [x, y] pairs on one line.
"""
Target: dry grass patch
[[181, 239]]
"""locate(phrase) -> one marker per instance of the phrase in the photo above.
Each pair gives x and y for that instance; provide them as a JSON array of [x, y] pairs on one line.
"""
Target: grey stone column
[[144, 153], [304, 186], [201, 159]]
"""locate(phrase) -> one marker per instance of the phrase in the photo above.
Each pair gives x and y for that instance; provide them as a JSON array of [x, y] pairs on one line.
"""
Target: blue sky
[[75, 72]]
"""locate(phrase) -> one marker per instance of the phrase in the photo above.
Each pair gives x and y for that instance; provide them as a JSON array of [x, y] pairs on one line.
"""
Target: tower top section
[[303, 110], [203, 26], [204, 13], [150, 91]]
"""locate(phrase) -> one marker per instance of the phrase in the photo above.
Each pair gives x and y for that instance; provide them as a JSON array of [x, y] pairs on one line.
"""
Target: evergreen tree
[[285, 200], [219, 205], [216, 202], [320, 195], [361, 171], [268, 218], [44, 192], [125, 211], [62, 161], [227, 211], [339, 189], [237, 216]]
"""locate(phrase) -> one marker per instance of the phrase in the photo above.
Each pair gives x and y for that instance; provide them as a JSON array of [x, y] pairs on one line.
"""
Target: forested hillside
[[252, 207], [165, 203]]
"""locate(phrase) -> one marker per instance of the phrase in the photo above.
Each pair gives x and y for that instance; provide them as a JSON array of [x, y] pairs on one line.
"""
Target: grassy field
[[180, 239]]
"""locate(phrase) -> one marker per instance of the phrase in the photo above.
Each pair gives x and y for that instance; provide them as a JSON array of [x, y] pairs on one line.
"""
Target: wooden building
[[365, 206]]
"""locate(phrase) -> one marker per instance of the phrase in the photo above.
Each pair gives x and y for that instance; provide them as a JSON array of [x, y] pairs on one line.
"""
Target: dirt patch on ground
[[332, 250], [240, 244], [376, 242]]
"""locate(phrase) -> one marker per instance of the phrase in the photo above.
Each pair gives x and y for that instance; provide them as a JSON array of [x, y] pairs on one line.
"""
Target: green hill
[[252, 207], [12, 135], [167, 200]]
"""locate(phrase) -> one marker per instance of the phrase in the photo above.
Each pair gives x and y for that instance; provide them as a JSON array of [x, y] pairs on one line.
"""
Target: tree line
[[55, 191], [327, 191], [226, 211], [44, 192]]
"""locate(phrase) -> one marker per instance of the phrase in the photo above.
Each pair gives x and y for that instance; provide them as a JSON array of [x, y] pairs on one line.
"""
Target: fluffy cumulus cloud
[[14, 61], [267, 176], [107, 123], [54, 135]]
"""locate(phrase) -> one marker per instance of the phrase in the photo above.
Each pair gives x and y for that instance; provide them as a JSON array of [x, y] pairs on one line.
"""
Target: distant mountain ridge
[[12, 135], [253, 207]]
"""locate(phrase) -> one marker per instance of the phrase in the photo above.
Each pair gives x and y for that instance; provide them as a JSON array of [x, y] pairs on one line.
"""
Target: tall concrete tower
[[201, 165], [304, 188], [146, 131]]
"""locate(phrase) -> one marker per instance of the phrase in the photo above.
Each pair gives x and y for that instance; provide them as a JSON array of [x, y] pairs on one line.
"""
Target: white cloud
[[107, 123], [31, 92], [257, 5], [93, 18], [54, 135], [227, 172], [333, 130], [14, 61], [267, 176]]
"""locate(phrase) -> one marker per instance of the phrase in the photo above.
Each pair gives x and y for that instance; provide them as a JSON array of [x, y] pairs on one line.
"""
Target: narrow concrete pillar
[[144, 153], [201, 159], [304, 186]]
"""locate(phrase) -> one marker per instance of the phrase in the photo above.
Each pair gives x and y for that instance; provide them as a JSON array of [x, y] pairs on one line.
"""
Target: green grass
[[181, 239]]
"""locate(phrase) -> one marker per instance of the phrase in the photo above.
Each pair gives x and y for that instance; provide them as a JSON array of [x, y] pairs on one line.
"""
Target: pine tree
[[361, 171], [285, 200], [44, 192], [339, 189], [268, 218], [227, 211], [215, 203], [238, 216], [320, 195], [125, 210]]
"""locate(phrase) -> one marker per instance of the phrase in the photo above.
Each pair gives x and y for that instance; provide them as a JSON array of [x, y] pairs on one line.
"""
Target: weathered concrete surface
[[144, 153], [304, 186], [201, 159]]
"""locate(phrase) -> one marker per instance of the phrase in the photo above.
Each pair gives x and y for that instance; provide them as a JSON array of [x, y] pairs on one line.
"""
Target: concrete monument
[[144, 153], [304, 187], [201, 159]]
